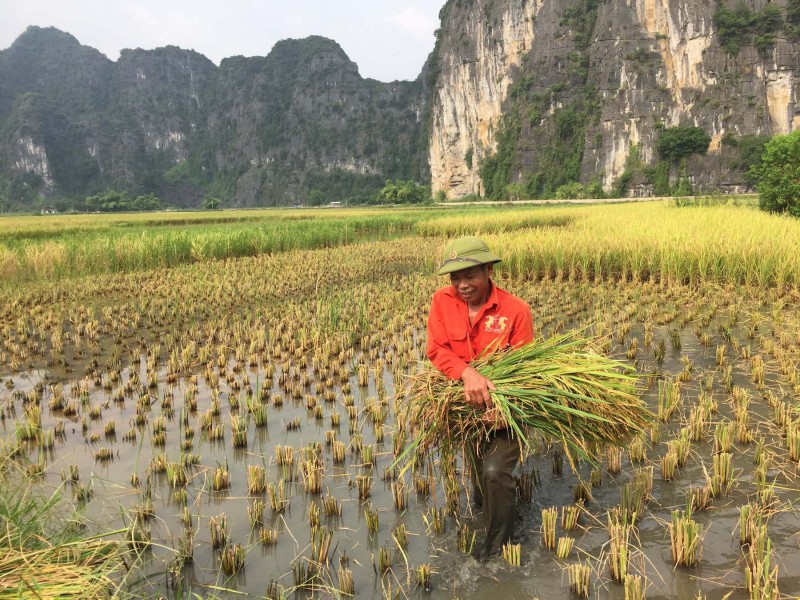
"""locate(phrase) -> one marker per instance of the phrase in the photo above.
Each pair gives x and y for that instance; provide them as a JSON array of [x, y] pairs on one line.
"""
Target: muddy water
[[454, 574]]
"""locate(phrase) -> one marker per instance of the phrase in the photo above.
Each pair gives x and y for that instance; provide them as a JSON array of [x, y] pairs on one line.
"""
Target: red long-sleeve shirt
[[504, 320]]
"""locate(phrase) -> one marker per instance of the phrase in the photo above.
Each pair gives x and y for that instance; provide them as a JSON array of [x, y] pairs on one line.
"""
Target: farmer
[[468, 317]]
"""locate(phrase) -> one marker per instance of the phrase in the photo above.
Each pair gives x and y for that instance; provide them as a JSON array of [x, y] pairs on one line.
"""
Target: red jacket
[[503, 321]]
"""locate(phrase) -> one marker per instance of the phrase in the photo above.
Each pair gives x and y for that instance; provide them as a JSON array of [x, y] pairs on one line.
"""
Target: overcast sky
[[388, 39]]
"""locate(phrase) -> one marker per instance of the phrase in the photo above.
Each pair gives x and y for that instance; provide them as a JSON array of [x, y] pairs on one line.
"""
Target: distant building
[[334, 204], [49, 210]]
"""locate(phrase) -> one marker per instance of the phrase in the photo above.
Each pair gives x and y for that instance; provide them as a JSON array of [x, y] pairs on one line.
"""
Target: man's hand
[[476, 388]]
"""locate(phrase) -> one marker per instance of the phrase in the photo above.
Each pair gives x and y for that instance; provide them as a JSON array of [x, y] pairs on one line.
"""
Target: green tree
[[403, 192], [316, 197], [570, 191], [676, 143], [778, 176], [108, 201], [515, 191], [595, 189], [144, 203], [211, 203]]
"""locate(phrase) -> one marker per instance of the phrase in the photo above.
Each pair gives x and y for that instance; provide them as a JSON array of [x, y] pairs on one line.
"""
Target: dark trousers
[[495, 488]]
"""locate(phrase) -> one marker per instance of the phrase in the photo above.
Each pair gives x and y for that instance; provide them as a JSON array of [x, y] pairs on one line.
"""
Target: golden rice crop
[[558, 387], [653, 241], [724, 244], [81, 569], [211, 340]]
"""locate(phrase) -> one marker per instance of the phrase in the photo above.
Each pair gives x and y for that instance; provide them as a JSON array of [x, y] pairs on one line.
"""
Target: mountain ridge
[[268, 130], [518, 99]]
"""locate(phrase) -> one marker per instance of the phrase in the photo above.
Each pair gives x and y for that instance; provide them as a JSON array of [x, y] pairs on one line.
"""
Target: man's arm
[[441, 354], [439, 350]]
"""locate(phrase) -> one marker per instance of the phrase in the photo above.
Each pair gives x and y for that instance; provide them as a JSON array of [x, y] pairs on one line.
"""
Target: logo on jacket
[[495, 324]]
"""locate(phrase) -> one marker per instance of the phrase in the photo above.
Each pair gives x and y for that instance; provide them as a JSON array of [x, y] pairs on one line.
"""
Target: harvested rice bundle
[[558, 387], [81, 569]]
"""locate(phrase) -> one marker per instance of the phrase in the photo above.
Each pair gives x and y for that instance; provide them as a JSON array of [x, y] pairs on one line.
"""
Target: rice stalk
[[564, 547], [465, 541], [423, 573], [619, 533], [570, 515], [558, 387], [512, 554], [579, 578], [686, 538], [635, 587], [549, 520], [761, 576], [79, 569]]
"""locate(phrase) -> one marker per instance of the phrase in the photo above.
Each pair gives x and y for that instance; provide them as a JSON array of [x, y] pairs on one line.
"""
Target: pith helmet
[[466, 252]]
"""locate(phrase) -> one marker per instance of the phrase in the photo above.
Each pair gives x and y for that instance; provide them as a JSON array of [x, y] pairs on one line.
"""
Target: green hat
[[466, 252]]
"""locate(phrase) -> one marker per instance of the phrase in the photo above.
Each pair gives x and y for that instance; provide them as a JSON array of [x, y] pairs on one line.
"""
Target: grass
[[43, 555]]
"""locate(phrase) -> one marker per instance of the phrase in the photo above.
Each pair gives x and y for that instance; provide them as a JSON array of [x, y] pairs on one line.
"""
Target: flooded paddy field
[[240, 420]]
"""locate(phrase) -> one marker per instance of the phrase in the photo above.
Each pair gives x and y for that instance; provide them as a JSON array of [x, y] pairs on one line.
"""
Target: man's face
[[472, 284]]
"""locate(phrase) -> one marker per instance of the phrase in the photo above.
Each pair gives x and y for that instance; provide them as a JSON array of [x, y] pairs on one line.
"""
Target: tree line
[[772, 167]]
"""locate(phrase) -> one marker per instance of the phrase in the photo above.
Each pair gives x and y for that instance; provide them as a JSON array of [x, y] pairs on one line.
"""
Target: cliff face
[[45, 93], [481, 47], [299, 123], [302, 121], [530, 86], [160, 91], [518, 99]]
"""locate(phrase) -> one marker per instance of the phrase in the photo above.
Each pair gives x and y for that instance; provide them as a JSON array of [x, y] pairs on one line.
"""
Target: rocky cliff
[[298, 124], [537, 93], [519, 98], [303, 123]]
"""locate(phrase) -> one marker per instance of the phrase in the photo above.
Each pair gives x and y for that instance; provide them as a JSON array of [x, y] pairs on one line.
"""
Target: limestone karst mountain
[[541, 93], [268, 130], [518, 98]]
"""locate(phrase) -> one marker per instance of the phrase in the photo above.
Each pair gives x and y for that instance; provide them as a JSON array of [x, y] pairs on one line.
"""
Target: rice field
[[233, 413]]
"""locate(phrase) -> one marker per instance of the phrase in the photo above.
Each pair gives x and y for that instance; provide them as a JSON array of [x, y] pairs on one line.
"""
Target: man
[[470, 316]]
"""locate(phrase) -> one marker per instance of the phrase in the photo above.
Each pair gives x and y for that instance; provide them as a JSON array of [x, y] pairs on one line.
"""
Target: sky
[[387, 39]]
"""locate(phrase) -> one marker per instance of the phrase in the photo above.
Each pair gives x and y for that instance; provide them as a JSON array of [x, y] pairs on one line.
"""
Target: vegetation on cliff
[[741, 25], [547, 119]]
